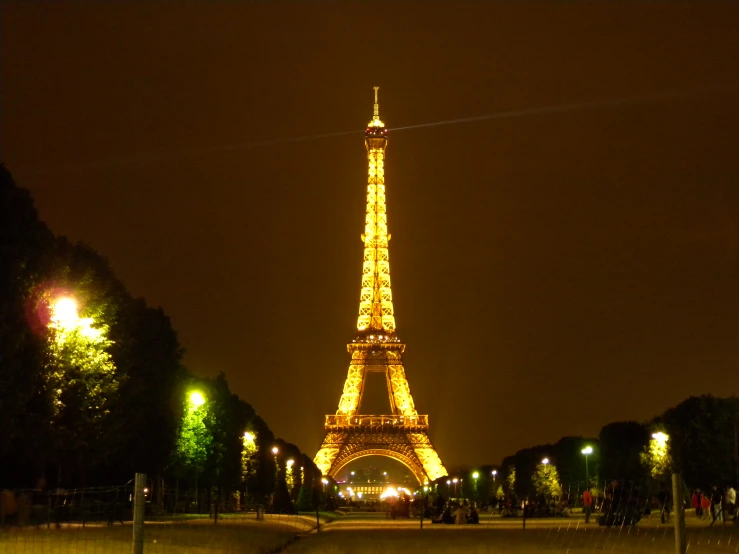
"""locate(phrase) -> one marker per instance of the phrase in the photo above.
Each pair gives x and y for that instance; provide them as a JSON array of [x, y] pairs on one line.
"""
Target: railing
[[376, 420]]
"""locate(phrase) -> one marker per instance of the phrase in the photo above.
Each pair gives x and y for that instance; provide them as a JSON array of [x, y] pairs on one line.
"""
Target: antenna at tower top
[[376, 122]]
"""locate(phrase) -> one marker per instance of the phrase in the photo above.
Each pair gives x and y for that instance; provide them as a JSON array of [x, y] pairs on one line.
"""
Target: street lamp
[[587, 451], [545, 461], [196, 399], [455, 481], [249, 437], [475, 475], [325, 482], [64, 311], [494, 473], [275, 450], [661, 438]]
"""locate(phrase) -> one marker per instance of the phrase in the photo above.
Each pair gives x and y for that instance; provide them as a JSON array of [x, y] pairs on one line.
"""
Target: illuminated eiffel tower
[[402, 434]]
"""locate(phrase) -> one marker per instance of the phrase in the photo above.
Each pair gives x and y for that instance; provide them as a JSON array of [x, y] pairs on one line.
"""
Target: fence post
[[139, 505], [678, 505]]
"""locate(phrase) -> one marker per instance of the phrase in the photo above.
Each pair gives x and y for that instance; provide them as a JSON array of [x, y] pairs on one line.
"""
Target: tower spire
[[376, 299], [376, 122], [377, 105]]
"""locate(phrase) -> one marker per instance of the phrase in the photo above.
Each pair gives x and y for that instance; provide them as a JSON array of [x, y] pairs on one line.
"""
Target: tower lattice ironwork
[[402, 434]]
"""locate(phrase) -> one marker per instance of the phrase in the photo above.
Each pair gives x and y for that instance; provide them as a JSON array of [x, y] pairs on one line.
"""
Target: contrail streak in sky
[[561, 108]]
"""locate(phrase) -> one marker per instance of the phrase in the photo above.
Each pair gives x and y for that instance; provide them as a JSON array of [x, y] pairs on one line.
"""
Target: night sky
[[553, 270]]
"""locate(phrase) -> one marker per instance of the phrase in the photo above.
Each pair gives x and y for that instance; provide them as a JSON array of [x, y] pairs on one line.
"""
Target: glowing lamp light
[[448, 482], [475, 475], [661, 438], [494, 473], [545, 461], [388, 493], [197, 399], [455, 480], [290, 462], [275, 450], [324, 481], [64, 311], [587, 450], [249, 436]]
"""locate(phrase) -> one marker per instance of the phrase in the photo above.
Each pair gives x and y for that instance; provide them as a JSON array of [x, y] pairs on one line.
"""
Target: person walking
[[716, 500], [730, 501], [587, 504], [696, 502]]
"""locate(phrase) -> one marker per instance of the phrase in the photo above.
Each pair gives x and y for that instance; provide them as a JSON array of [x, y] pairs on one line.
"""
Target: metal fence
[[110, 520]]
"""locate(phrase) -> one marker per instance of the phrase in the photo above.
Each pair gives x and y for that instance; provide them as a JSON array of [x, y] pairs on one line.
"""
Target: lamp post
[[275, 450], [195, 400], [448, 489], [455, 481], [587, 451]]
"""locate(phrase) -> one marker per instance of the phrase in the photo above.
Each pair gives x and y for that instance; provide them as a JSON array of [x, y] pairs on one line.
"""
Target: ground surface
[[369, 534]]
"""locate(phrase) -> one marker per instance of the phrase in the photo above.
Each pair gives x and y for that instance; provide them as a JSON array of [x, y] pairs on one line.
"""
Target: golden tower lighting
[[403, 433]]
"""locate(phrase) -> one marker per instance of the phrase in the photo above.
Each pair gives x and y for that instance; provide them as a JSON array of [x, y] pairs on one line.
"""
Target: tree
[[621, 445], [702, 439], [656, 458], [79, 377], [571, 461], [194, 439], [24, 242], [546, 480], [510, 479], [305, 499]]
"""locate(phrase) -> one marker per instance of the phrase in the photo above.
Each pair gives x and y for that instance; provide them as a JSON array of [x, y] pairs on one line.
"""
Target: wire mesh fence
[[100, 520]]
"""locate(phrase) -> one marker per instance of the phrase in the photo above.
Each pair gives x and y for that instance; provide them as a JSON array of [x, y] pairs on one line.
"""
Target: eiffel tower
[[402, 434]]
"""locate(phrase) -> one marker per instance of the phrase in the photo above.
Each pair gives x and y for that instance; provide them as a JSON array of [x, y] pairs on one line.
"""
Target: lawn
[[490, 540], [160, 538], [358, 534]]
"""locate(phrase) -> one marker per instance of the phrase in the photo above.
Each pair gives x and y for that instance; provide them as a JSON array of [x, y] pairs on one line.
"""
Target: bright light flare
[[475, 475], [249, 437], [661, 438], [389, 492], [545, 461], [587, 450], [64, 311], [275, 450], [290, 462], [197, 399]]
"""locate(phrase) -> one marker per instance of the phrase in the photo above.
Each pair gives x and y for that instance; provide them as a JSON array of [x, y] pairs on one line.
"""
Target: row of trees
[[699, 437], [92, 385]]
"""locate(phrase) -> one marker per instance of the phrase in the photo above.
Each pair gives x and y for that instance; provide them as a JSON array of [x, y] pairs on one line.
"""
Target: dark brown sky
[[552, 272]]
